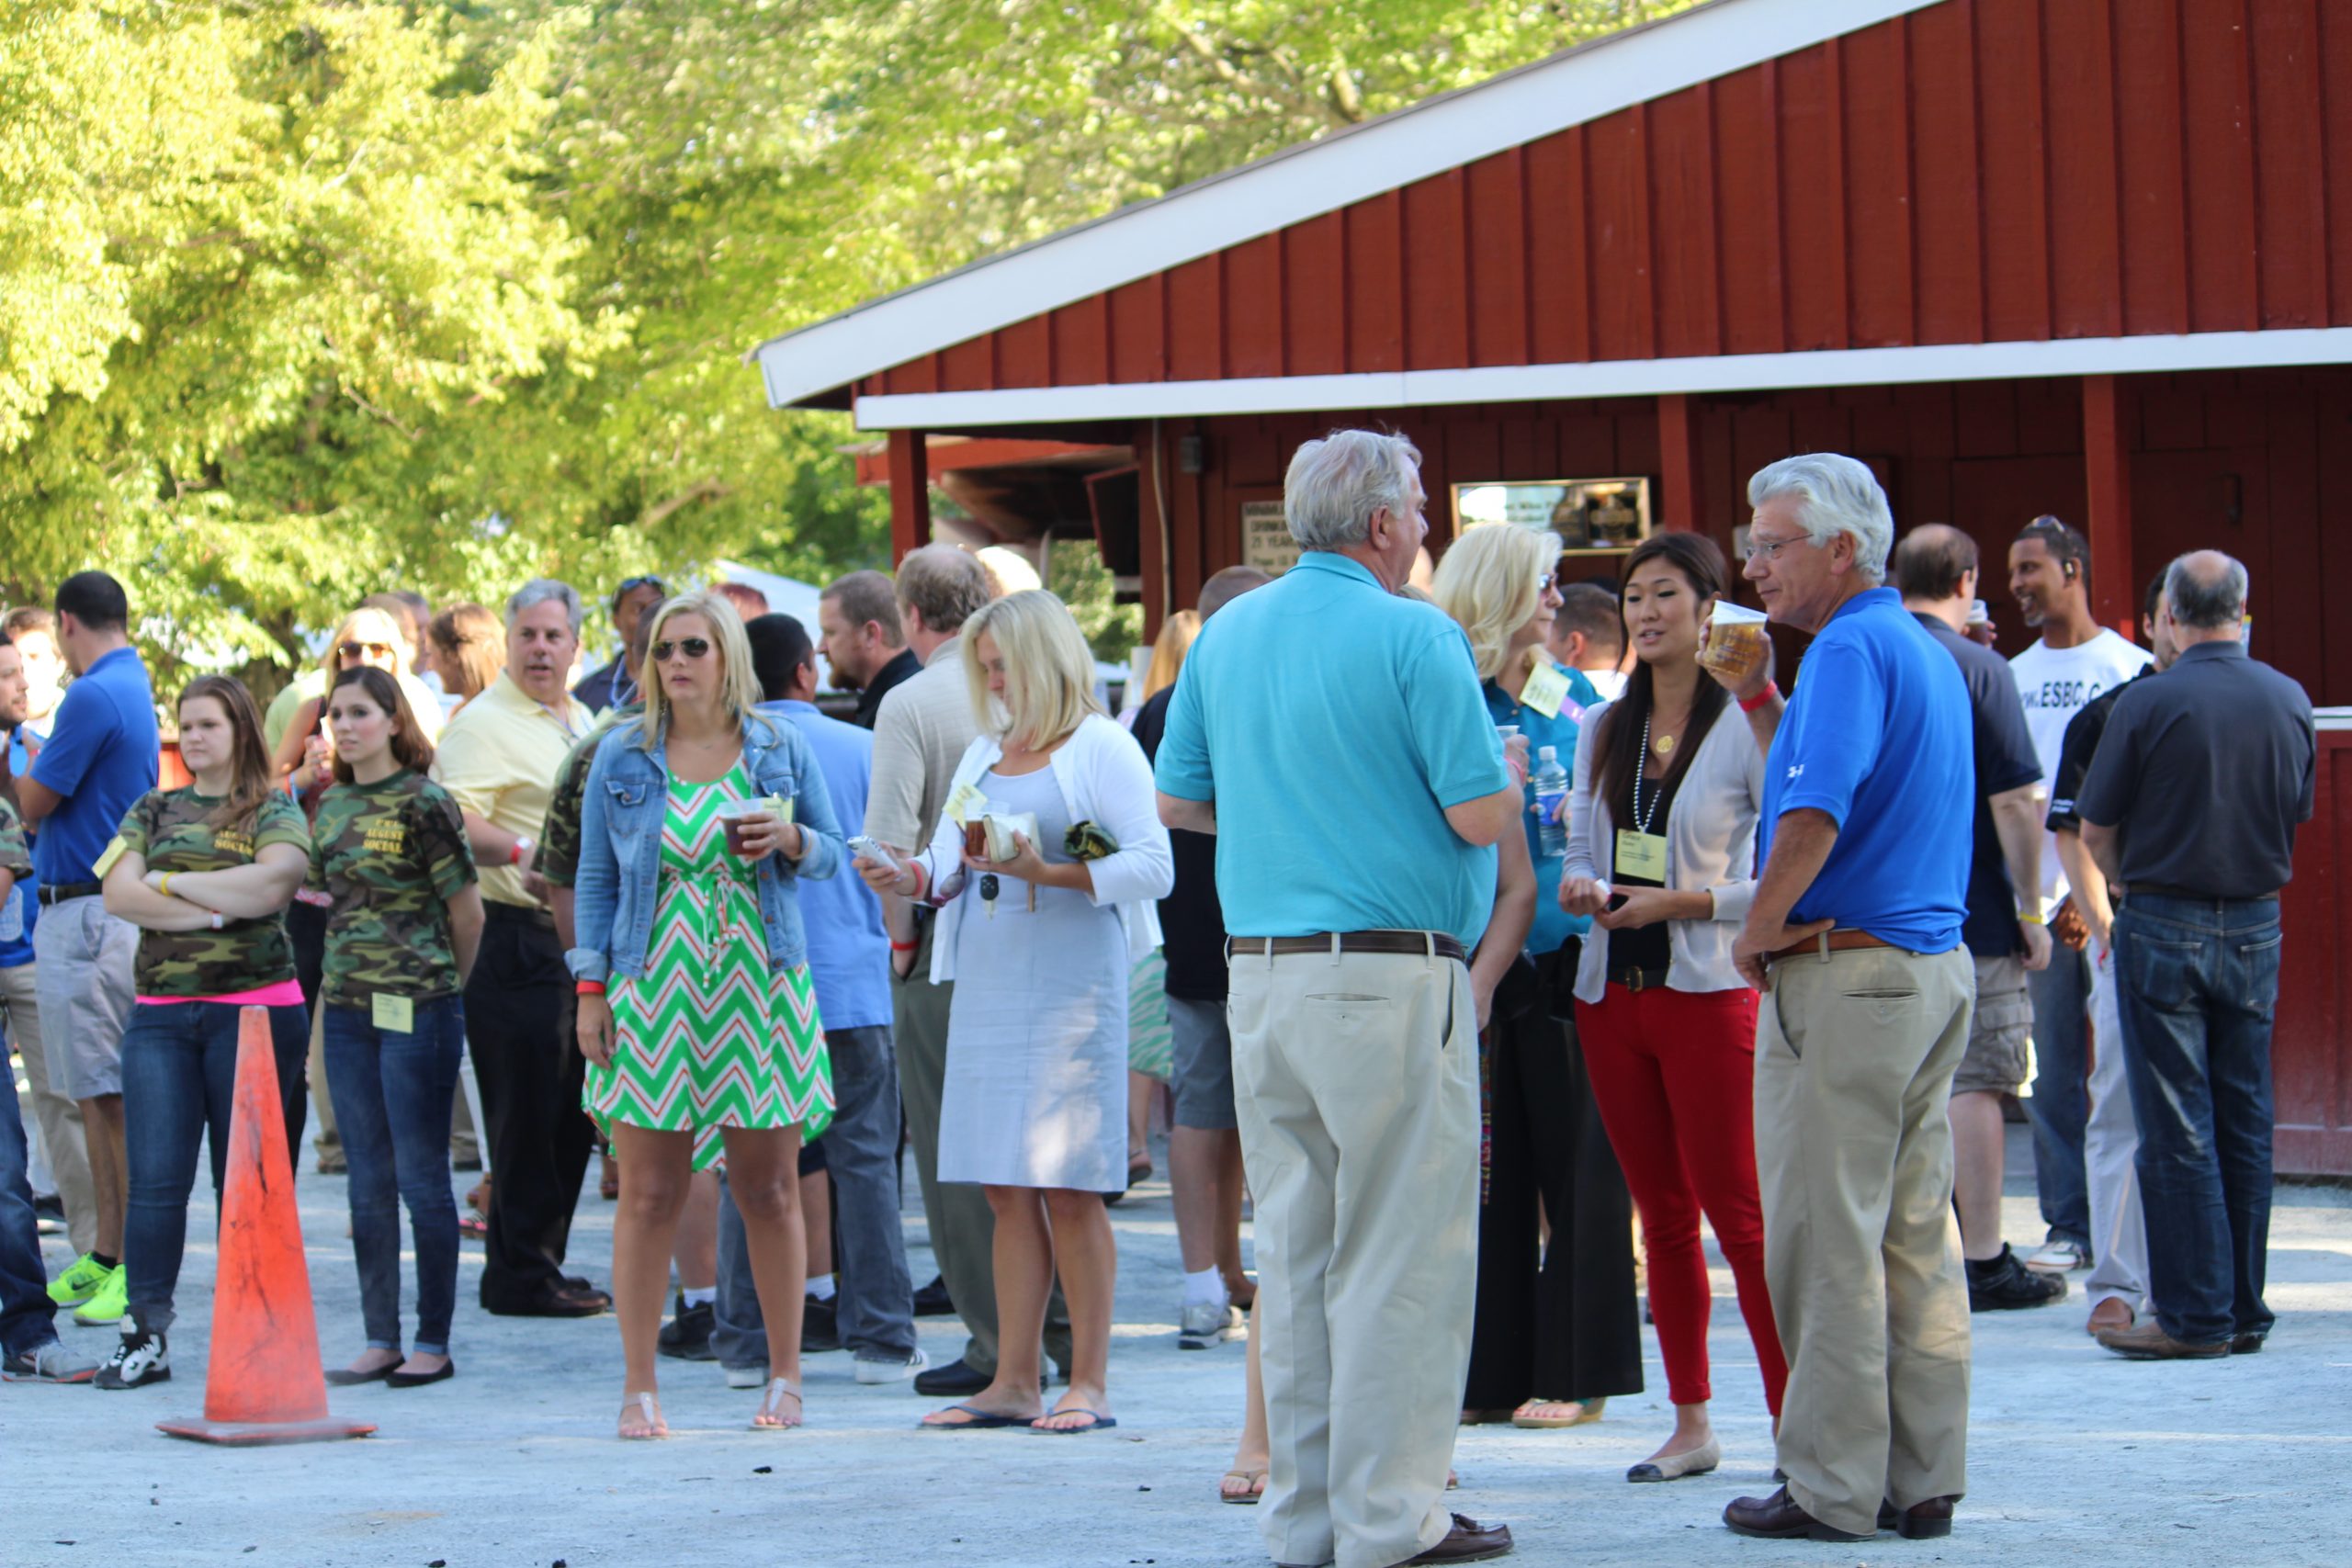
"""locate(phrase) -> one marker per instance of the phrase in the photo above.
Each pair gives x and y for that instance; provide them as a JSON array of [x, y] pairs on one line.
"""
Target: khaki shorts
[[1999, 1039], [83, 958]]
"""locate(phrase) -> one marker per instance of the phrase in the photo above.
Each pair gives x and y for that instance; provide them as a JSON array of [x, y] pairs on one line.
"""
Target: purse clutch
[[1086, 841]]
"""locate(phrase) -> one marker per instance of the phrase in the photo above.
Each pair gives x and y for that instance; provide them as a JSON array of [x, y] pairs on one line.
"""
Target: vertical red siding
[[1196, 320], [1375, 259], [1315, 297], [2335, 74], [1437, 255], [2290, 136], [2148, 68], [2217, 99], [1747, 154], [1024, 352], [2085, 233], [1683, 194], [1559, 286], [1948, 216], [1624, 322], [2012, 140], [1812, 198], [1875, 72], [1496, 240], [1253, 308], [1082, 343], [1139, 330]]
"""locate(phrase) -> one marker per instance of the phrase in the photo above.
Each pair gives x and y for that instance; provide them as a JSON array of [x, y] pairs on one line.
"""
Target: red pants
[[1673, 1073]]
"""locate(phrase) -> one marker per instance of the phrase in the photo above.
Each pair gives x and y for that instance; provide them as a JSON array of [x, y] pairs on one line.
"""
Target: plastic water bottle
[[1550, 785]]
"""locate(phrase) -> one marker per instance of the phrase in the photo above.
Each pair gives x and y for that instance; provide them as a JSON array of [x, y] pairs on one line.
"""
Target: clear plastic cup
[[734, 814], [1737, 644]]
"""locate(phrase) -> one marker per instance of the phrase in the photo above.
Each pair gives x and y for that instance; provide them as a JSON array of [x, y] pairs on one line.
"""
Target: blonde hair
[[1048, 670], [1489, 581], [738, 685], [347, 630], [1168, 654]]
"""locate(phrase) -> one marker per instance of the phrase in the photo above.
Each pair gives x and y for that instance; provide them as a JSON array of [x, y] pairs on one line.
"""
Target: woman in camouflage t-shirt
[[389, 848], [205, 871]]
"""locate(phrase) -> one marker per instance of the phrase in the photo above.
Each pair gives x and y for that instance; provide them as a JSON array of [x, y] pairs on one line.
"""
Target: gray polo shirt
[[2206, 772]]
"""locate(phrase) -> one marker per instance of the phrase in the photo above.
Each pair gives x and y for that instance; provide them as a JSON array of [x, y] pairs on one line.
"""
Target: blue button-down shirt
[[1878, 735], [1332, 723], [849, 949], [102, 756]]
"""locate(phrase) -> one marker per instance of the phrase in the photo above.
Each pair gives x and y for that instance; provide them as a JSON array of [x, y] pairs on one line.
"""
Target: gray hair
[[1336, 484], [539, 591], [2203, 595], [1836, 495]]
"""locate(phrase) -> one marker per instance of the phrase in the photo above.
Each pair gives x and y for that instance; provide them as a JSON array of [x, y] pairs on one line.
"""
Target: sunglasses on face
[[354, 650], [692, 647]]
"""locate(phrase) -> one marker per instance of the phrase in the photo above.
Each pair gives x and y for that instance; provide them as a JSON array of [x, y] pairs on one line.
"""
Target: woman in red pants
[[1661, 855]]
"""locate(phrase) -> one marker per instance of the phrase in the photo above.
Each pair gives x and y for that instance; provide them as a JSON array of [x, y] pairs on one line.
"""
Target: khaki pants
[[56, 1113], [1356, 1085], [962, 1225], [1854, 1062]]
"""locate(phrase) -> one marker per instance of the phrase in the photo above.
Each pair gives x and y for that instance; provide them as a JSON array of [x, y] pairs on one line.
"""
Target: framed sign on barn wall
[[1604, 516]]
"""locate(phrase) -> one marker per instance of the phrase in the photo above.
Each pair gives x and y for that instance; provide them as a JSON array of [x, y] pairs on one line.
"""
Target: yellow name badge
[[1641, 855], [964, 803], [1546, 689], [396, 1014], [782, 805], [116, 848]]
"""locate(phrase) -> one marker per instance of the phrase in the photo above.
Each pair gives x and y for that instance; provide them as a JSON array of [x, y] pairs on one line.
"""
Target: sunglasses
[[354, 650], [692, 647], [630, 585]]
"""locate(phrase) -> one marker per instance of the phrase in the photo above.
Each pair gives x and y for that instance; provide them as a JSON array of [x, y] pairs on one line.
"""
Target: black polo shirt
[[1192, 917], [904, 667], [2006, 760], [2205, 772]]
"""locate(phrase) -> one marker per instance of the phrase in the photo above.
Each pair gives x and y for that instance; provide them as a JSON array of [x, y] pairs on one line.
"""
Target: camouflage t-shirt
[[172, 830], [390, 855], [558, 856]]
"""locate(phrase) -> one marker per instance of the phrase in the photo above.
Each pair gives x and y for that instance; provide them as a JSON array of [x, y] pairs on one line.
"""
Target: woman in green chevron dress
[[697, 1014]]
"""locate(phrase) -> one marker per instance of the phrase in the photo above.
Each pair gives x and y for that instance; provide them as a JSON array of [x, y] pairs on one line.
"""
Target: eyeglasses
[[1769, 548], [354, 650], [692, 647]]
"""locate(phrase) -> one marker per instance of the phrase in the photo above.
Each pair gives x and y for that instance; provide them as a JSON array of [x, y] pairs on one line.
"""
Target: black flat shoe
[[418, 1379], [957, 1379], [343, 1377]]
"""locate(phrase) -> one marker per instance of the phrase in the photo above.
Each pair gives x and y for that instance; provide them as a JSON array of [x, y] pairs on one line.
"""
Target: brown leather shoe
[[2149, 1342], [2249, 1344], [1920, 1521], [1467, 1542], [2109, 1314], [1778, 1517]]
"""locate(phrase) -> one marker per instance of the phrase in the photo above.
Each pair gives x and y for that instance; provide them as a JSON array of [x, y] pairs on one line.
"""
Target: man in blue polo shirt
[[100, 758], [1855, 937], [849, 958], [1333, 737]]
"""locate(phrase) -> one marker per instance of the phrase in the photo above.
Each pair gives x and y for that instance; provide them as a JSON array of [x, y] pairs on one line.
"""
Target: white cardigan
[[1710, 844], [1104, 780]]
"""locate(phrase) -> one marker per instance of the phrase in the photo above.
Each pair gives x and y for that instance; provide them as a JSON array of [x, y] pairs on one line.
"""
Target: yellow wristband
[[2024, 918], [166, 885]]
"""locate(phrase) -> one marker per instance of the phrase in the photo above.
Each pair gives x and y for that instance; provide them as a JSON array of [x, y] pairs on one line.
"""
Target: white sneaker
[[1203, 1324], [2059, 1257], [138, 1359], [753, 1376], [879, 1371]]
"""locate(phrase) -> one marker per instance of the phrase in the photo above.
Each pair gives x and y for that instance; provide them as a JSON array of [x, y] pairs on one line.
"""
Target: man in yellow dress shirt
[[499, 758]]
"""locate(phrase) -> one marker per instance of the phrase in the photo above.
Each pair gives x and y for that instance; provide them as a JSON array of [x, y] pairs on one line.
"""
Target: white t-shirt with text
[[2056, 683]]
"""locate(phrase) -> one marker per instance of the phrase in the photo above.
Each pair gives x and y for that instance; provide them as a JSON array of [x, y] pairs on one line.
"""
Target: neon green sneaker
[[78, 1283], [111, 1302]]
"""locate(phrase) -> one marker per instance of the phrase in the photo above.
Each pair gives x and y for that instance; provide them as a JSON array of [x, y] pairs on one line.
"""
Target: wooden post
[[2106, 460], [1679, 503], [909, 461]]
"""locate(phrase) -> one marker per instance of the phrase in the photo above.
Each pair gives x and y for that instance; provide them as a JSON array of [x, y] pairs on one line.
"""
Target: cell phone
[[870, 849]]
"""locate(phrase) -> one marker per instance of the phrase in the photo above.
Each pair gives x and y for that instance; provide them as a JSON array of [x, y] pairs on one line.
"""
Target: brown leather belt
[[1422, 943], [1827, 943]]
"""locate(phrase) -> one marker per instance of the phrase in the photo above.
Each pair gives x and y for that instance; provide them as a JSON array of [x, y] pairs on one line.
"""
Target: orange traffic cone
[[265, 1386]]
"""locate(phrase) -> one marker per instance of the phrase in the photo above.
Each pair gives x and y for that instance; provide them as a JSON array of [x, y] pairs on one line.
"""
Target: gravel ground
[[2075, 1456]]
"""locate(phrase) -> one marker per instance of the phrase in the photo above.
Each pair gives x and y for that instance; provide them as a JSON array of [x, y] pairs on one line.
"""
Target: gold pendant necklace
[[1663, 745]]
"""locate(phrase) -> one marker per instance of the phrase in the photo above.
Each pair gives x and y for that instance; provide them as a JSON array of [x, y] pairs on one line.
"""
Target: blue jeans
[[877, 1306], [27, 1317], [179, 1079], [393, 1094], [2199, 980], [2061, 1102]]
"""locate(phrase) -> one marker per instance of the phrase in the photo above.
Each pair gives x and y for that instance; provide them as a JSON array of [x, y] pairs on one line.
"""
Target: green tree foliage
[[301, 299]]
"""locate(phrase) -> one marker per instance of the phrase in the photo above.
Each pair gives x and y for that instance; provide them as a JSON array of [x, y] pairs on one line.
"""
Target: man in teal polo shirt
[[1333, 737]]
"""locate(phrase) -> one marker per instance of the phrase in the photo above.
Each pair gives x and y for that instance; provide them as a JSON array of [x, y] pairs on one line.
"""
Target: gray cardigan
[[1710, 842]]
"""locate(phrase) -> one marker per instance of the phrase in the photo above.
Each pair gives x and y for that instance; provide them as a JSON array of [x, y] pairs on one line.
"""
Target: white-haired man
[[1855, 936], [499, 758], [1357, 801]]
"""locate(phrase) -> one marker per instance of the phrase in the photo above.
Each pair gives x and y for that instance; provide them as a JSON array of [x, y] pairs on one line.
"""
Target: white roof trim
[[1609, 378], [1571, 88]]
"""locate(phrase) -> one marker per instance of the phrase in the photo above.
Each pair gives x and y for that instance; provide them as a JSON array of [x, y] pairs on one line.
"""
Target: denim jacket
[[620, 845]]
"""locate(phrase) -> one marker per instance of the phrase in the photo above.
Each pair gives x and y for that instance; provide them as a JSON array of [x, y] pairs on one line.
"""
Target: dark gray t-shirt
[[2206, 772], [2006, 760]]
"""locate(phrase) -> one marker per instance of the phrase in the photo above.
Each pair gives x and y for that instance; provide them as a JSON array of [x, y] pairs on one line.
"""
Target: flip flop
[[1254, 1480], [981, 1420], [1096, 1422]]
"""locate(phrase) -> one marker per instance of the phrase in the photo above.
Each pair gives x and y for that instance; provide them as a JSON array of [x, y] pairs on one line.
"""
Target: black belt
[[1636, 980], [1422, 943], [59, 892], [2163, 890], [498, 914]]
